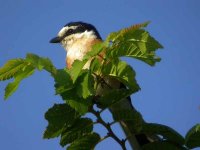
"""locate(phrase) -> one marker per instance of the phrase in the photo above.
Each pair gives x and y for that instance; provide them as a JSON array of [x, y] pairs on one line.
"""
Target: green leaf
[[45, 63], [19, 76], [78, 95], [22, 68], [165, 131], [136, 43], [80, 105], [193, 137], [80, 128], [52, 131], [164, 145], [113, 96], [41, 63], [121, 71], [12, 67], [115, 35], [95, 65], [63, 81], [58, 116], [96, 49], [87, 142], [77, 68], [84, 84], [124, 114], [32, 58]]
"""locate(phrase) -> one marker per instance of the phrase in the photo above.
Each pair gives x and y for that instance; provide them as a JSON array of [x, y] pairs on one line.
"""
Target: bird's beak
[[56, 40]]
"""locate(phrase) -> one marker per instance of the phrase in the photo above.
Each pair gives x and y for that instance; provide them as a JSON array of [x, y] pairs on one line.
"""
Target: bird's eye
[[70, 31]]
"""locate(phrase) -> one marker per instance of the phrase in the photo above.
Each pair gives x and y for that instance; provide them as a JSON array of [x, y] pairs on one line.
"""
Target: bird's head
[[77, 39], [74, 31]]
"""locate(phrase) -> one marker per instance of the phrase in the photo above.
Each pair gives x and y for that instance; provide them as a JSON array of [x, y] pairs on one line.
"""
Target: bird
[[77, 38]]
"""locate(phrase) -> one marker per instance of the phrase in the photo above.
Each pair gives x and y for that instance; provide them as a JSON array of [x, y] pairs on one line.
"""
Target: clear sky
[[170, 92]]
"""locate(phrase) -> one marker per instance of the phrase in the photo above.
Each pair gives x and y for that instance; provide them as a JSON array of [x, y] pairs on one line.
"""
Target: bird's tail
[[135, 138]]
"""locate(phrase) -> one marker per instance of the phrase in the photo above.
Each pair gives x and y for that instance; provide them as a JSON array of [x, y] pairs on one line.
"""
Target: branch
[[109, 129]]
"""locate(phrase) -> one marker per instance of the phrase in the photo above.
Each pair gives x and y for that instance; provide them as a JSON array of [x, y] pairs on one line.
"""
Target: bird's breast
[[78, 49]]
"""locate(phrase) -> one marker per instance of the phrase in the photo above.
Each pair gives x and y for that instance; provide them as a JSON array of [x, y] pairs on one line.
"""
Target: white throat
[[77, 45], [69, 42]]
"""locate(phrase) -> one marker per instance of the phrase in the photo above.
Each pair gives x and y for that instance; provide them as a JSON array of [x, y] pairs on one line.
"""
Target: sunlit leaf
[[96, 49], [76, 69], [33, 59], [134, 42], [19, 76], [22, 68], [95, 65], [121, 71], [115, 35], [84, 84], [46, 64], [41, 63], [11, 67]]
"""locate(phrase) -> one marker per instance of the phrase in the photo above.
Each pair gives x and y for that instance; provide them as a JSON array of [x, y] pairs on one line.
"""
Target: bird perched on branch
[[77, 38]]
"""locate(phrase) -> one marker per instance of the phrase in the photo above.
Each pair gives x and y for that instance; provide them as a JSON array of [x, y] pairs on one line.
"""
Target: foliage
[[79, 89], [192, 139]]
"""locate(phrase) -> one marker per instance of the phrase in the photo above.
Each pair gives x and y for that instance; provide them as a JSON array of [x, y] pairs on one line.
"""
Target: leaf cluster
[[81, 91]]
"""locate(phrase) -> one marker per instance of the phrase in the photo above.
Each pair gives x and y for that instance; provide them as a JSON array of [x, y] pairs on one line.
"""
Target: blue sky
[[170, 91]]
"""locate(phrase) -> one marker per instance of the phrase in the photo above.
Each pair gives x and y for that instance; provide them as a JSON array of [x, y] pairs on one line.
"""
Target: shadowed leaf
[[165, 131], [87, 142], [164, 145], [193, 137], [80, 128], [80, 105], [132, 118], [114, 96], [63, 81], [58, 116]]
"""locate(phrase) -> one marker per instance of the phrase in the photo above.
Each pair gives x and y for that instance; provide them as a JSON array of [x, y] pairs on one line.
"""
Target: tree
[[78, 89]]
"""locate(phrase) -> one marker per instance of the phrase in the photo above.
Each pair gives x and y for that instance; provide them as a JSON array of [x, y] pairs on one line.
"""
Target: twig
[[113, 123], [108, 127], [105, 137]]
